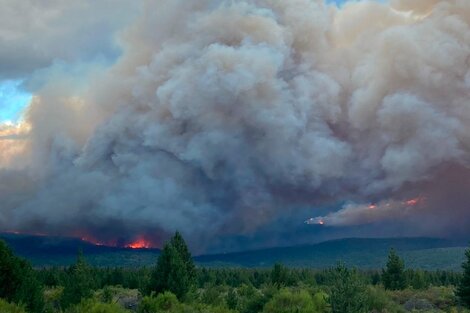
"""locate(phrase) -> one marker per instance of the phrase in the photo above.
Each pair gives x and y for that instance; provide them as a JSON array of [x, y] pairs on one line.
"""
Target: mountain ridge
[[365, 253]]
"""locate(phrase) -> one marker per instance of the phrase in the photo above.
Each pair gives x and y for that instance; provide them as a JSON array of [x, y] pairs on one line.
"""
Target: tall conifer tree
[[175, 270], [393, 277], [463, 290]]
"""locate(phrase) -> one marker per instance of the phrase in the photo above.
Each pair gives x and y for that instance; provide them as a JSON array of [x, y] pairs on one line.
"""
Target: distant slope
[[45, 251], [364, 253]]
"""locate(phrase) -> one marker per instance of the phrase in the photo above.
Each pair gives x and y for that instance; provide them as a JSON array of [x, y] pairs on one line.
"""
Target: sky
[[241, 124], [12, 100]]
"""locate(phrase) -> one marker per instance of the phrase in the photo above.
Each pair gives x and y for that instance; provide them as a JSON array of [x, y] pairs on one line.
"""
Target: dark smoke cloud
[[232, 119]]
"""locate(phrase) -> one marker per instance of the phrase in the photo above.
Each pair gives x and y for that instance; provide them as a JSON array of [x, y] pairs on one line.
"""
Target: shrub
[[6, 307], [287, 301], [378, 300], [92, 306], [165, 302]]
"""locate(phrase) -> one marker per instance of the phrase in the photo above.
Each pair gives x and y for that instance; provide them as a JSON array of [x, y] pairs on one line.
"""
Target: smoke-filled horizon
[[234, 122]]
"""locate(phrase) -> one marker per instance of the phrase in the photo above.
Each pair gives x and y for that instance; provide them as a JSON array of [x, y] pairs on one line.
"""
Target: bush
[[127, 298], [377, 300], [165, 302], [92, 306], [52, 298], [6, 307], [287, 301]]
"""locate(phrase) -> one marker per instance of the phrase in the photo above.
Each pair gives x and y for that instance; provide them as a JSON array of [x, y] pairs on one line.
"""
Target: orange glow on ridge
[[140, 243]]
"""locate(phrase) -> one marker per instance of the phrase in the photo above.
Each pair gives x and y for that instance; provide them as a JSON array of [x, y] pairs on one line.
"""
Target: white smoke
[[221, 116], [361, 214]]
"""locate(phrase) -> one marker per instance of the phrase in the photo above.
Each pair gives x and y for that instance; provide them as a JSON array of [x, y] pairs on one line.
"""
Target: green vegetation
[[175, 270], [347, 292], [18, 281], [293, 301], [393, 276], [175, 285], [463, 290], [6, 307]]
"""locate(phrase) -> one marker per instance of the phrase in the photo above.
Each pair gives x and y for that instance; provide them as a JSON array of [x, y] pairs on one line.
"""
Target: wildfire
[[372, 206], [413, 202], [140, 244]]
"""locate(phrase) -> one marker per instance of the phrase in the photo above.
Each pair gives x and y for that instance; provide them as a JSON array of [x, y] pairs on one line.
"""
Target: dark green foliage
[[393, 277], [78, 283], [417, 279], [18, 281], [279, 275], [463, 290], [232, 299], [347, 292], [175, 270]]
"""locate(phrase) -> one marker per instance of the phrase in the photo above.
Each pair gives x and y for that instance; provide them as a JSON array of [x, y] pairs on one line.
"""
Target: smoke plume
[[220, 117]]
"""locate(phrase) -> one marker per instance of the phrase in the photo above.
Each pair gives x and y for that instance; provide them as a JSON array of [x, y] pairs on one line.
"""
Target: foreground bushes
[[288, 301], [6, 307], [168, 303], [92, 306]]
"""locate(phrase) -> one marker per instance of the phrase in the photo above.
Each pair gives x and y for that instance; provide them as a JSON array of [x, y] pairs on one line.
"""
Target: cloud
[[220, 118]]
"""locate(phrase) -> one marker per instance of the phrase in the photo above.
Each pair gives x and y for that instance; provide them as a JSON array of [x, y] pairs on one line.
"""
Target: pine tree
[[78, 284], [18, 281], [348, 292], [393, 277], [182, 249], [463, 290], [175, 270]]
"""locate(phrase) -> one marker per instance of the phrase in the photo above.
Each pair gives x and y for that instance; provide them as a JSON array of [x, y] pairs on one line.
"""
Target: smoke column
[[221, 116]]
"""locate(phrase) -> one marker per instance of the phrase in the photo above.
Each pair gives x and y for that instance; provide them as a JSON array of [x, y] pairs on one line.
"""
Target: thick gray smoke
[[222, 116]]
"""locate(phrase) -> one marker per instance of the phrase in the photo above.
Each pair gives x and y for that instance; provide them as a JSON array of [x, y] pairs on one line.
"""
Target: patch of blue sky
[[341, 2], [13, 100], [337, 2]]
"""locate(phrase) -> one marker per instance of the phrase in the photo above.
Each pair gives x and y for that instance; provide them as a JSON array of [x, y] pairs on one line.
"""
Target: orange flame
[[140, 243]]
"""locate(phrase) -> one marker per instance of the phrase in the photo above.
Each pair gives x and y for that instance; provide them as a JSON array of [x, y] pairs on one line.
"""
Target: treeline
[[174, 284], [236, 277]]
